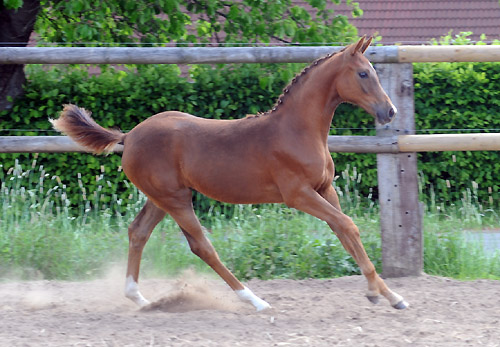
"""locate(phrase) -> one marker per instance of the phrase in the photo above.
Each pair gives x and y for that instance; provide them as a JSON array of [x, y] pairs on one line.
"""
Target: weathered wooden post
[[400, 214]]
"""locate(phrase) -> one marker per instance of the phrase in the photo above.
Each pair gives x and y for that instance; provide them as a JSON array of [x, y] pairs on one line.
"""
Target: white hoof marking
[[247, 295], [132, 292], [397, 301]]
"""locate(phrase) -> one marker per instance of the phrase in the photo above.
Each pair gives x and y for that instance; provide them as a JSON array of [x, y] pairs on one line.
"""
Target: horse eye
[[363, 74]]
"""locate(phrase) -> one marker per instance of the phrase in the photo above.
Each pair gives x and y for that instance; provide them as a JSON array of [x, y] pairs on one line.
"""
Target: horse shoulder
[[302, 159]]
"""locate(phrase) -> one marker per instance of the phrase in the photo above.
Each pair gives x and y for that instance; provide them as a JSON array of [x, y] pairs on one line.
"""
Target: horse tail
[[77, 123]]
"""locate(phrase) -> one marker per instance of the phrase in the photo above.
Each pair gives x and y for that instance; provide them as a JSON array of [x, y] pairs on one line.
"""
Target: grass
[[451, 250], [41, 236]]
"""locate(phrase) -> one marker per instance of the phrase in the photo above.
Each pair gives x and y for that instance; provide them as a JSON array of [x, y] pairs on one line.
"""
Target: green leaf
[[12, 4]]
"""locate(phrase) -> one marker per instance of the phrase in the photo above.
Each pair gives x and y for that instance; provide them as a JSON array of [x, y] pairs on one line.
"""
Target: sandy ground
[[196, 311]]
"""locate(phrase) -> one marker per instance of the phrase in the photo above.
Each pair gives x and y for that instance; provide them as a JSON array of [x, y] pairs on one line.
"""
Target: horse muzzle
[[386, 114]]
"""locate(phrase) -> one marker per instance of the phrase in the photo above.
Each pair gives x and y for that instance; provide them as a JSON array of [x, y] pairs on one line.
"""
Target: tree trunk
[[16, 27]]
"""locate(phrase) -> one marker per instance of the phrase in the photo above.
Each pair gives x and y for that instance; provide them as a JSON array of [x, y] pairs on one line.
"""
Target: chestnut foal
[[280, 156]]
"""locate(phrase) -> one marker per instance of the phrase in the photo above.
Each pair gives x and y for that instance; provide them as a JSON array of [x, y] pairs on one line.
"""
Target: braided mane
[[294, 81]]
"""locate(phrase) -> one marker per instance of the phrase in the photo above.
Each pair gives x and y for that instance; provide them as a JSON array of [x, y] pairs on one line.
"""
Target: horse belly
[[235, 186]]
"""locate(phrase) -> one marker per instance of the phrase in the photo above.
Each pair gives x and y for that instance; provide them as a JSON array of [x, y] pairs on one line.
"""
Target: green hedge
[[123, 99], [447, 96], [459, 96]]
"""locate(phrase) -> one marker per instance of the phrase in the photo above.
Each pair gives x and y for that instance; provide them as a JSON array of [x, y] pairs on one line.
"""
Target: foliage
[[284, 243], [41, 238], [456, 98], [447, 96], [12, 4], [121, 99], [38, 238], [459, 96], [189, 21], [175, 22], [457, 254]]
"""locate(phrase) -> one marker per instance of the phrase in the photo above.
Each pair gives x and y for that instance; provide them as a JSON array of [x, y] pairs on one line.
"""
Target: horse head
[[358, 83]]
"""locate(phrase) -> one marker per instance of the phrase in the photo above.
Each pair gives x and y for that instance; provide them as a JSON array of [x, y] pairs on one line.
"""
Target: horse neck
[[311, 103]]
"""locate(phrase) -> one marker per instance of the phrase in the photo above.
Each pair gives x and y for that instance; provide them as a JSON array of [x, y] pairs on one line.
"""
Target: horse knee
[[353, 231], [344, 227]]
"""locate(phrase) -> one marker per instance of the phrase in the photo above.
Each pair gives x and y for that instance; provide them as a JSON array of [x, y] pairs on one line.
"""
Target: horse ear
[[366, 44], [358, 45]]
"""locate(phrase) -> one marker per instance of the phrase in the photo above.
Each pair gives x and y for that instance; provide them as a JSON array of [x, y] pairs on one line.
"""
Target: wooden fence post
[[400, 213]]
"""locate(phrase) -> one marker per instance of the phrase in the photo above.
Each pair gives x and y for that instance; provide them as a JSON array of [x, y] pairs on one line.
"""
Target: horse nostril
[[391, 112]]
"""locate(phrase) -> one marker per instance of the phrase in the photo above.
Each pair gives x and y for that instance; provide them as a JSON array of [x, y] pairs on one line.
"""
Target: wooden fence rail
[[213, 55], [337, 144]]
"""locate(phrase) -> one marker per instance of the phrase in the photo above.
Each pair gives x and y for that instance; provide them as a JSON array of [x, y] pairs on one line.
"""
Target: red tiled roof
[[416, 22]]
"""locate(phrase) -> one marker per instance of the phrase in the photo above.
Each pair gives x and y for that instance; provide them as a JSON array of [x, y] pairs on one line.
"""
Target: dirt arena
[[194, 311]]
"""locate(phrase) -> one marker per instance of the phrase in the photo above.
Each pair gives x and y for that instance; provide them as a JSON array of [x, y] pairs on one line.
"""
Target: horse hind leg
[[200, 245], [139, 232]]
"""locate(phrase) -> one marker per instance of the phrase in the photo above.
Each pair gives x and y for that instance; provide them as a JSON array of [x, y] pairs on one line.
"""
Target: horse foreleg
[[202, 247], [327, 208], [348, 235], [352, 243], [139, 232]]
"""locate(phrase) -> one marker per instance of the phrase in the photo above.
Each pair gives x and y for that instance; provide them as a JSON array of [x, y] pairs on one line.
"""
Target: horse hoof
[[263, 307], [401, 305], [247, 295], [373, 299]]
